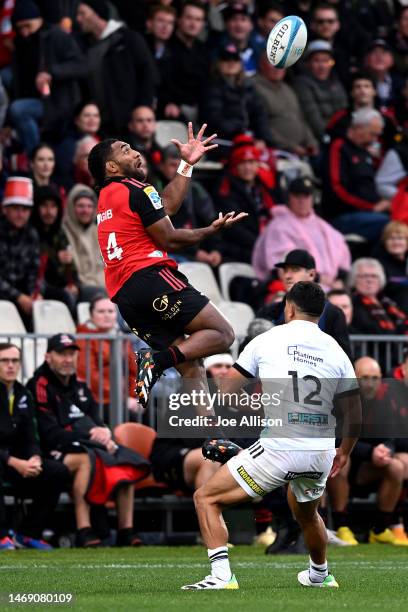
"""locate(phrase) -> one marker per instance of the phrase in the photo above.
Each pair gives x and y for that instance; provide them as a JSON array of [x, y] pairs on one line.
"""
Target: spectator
[[379, 62], [95, 355], [401, 371], [350, 196], [342, 299], [401, 108], [21, 463], [19, 248], [239, 32], [79, 223], [297, 225], [42, 166], [393, 170], [183, 85], [398, 42], [87, 122], [373, 312], [346, 37], [197, 210], [268, 15], [362, 95], [392, 253], [286, 122], [373, 461], [320, 92], [83, 147], [244, 189], [117, 56], [57, 278], [299, 265], [160, 27], [231, 105], [142, 130], [68, 422], [4, 102], [46, 66]]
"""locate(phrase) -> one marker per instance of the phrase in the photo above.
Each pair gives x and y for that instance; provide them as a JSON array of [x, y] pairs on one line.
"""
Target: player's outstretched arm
[[168, 238], [191, 152]]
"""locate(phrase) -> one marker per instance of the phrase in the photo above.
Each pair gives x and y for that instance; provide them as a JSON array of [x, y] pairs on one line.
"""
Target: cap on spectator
[[229, 53], [378, 42], [221, 359], [18, 191], [298, 257], [85, 193], [100, 7], [244, 153], [25, 9], [235, 8], [60, 342], [318, 46], [301, 185], [47, 192]]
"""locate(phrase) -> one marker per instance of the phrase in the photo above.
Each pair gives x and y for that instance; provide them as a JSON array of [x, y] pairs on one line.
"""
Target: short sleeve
[[347, 383], [146, 203], [247, 362]]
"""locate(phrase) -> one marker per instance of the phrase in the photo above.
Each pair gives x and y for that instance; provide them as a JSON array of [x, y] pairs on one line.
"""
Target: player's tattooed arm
[[190, 152], [168, 238]]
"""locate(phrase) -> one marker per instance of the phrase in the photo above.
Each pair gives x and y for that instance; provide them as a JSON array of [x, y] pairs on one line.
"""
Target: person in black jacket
[[46, 65], [121, 70], [378, 459], [299, 265], [231, 104], [21, 463], [71, 429]]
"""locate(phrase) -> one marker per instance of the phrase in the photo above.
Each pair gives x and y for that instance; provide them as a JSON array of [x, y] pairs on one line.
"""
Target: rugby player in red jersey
[[135, 232]]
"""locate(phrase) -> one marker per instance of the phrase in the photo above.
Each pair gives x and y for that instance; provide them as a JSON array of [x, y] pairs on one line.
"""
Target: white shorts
[[259, 470]]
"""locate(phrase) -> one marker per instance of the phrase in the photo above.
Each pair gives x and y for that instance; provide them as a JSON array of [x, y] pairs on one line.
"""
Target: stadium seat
[[52, 317], [166, 130], [202, 278], [239, 315], [139, 438], [83, 312], [228, 271], [33, 351]]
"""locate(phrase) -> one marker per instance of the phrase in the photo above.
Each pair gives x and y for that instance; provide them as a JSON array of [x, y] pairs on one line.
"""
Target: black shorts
[[158, 303], [167, 463]]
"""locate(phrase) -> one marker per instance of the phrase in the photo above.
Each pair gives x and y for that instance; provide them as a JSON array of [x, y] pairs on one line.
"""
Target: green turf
[[149, 578]]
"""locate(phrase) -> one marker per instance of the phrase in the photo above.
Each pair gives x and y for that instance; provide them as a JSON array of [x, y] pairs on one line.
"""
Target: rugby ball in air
[[286, 42]]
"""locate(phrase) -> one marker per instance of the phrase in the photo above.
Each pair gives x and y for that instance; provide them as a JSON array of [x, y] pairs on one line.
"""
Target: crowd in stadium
[[316, 154]]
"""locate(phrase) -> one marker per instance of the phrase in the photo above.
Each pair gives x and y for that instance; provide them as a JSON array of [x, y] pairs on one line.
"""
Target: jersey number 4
[[114, 250]]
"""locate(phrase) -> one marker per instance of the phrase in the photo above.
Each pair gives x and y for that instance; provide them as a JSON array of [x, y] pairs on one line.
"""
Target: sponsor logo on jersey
[[175, 309], [312, 475], [156, 254], [300, 357], [153, 197], [22, 403], [103, 216], [75, 412], [161, 303], [307, 418], [250, 481], [313, 492]]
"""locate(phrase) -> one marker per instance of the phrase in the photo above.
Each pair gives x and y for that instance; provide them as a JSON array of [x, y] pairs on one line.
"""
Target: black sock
[[168, 358], [340, 519], [382, 521]]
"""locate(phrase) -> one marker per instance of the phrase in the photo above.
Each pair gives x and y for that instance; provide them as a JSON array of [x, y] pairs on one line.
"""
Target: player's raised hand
[[193, 150], [225, 221]]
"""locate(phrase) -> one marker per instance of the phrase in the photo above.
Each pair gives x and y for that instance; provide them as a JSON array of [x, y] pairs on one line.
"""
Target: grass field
[[370, 576]]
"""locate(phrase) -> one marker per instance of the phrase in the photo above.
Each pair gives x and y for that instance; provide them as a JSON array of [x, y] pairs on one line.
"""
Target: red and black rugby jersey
[[125, 208]]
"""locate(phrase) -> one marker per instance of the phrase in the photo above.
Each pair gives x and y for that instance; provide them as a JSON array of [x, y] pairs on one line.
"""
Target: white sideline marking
[[391, 565]]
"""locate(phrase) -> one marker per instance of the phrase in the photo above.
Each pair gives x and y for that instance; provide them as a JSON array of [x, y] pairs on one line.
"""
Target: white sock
[[317, 573], [220, 567]]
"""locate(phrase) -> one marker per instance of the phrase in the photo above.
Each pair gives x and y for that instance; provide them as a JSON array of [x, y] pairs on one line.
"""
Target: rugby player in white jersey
[[318, 374]]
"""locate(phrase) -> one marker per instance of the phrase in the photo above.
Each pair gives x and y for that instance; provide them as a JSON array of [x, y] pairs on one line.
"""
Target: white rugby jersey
[[308, 368]]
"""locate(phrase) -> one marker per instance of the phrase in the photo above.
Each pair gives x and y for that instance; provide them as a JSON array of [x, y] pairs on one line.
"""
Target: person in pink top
[[296, 226]]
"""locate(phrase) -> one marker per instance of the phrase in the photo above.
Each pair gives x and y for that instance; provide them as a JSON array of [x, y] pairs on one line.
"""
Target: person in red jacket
[[103, 320]]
